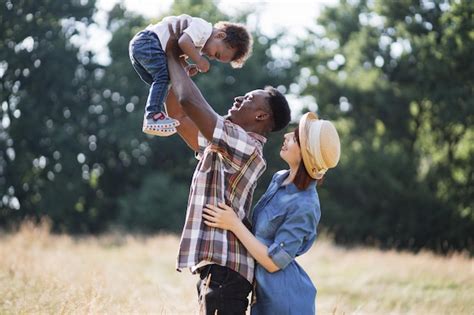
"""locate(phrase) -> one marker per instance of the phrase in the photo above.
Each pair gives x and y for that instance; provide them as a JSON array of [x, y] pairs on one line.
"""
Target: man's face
[[246, 108]]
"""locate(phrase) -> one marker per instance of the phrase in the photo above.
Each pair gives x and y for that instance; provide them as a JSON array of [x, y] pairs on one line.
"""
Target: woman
[[285, 219]]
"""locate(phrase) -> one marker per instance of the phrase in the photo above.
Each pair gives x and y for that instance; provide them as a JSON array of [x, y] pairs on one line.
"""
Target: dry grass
[[50, 274]]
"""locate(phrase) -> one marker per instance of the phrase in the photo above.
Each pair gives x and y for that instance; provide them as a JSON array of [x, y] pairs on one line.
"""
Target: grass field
[[51, 274]]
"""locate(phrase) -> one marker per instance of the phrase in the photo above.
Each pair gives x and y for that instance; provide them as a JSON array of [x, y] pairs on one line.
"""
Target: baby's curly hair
[[238, 38]]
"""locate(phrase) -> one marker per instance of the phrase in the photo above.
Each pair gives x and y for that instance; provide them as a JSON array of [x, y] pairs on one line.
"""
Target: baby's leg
[[151, 65], [149, 61], [135, 50]]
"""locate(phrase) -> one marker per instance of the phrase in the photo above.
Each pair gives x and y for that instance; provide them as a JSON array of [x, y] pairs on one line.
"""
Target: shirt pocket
[[215, 161], [230, 168], [270, 220]]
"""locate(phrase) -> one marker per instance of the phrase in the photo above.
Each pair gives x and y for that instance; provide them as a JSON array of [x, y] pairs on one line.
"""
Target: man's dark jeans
[[223, 290]]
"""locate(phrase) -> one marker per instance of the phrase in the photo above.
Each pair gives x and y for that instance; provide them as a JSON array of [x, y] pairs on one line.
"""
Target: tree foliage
[[72, 146], [396, 77]]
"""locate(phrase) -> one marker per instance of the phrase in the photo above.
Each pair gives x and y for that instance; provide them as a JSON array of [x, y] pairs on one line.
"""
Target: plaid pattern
[[228, 169]]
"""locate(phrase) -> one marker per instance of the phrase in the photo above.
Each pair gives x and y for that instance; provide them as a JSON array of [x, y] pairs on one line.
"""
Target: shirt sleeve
[[234, 143], [199, 30], [299, 225], [202, 144]]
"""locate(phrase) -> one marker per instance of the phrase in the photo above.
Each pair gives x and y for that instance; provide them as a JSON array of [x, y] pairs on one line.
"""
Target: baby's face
[[218, 50]]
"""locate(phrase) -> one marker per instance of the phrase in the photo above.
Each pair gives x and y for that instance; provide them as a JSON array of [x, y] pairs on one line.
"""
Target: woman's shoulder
[[306, 203], [279, 174]]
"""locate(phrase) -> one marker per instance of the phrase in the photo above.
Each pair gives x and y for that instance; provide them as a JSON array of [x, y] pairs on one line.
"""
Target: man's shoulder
[[236, 132]]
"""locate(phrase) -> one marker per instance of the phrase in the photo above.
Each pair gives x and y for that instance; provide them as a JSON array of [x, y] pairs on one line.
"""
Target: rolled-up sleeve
[[202, 144], [299, 225]]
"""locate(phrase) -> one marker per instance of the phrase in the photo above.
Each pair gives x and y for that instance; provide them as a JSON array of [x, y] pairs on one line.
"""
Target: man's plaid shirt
[[228, 169]]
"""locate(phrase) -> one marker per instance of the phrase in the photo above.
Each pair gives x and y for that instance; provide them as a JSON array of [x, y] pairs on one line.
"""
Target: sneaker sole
[[175, 123], [161, 132]]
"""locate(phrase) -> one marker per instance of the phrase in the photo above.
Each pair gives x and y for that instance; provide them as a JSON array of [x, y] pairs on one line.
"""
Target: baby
[[225, 42]]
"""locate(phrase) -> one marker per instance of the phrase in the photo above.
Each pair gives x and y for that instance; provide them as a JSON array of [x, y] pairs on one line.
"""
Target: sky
[[292, 17]]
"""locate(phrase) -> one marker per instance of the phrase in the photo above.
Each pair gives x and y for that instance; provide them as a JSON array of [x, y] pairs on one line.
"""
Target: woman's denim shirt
[[285, 219]]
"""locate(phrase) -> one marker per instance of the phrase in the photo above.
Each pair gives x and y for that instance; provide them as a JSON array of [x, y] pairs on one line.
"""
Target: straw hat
[[320, 146]]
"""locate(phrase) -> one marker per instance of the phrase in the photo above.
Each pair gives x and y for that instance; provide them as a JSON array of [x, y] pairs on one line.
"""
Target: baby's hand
[[203, 64], [191, 70]]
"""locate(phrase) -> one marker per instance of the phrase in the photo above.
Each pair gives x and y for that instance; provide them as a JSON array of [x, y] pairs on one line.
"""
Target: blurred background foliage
[[395, 76]]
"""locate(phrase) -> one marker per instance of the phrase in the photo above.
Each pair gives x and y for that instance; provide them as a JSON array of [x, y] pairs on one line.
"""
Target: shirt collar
[[254, 135], [258, 137], [290, 188]]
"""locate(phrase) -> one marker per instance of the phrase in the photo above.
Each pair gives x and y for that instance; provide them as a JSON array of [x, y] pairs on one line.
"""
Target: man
[[230, 162]]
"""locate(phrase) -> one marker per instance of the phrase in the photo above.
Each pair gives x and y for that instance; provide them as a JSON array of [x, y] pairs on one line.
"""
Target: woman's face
[[290, 151]]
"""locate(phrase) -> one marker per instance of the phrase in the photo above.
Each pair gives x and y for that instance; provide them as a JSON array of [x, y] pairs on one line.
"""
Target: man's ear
[[261, 115], [220, 35]]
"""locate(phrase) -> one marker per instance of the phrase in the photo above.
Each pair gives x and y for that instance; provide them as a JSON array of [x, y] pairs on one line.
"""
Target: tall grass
[[58, 274]]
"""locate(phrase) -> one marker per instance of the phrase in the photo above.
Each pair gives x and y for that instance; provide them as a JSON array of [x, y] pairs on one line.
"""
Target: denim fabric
[[222, 290], [285, 219], [149, 60]]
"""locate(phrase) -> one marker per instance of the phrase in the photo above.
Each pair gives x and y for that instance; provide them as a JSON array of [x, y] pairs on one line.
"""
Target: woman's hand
[[223, 217]]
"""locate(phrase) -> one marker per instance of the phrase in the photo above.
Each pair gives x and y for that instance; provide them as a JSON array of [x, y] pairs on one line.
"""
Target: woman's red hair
[[302, 179]]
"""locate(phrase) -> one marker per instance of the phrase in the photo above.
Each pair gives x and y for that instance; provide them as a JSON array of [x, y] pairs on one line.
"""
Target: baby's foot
[[159, 124]]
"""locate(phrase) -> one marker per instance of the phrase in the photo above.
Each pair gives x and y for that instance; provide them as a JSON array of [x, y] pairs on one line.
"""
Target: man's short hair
[[280, 108]]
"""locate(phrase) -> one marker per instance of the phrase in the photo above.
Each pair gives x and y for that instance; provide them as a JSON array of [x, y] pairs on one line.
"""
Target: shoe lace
[[159, 116]]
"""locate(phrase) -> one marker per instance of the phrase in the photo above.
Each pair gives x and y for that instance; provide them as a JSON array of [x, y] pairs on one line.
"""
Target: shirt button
[[281, 244]]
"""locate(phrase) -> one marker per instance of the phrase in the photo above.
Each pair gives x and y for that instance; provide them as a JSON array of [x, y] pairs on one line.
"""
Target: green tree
[[397, 78], [71, 141], [45, 88], [158, 204]]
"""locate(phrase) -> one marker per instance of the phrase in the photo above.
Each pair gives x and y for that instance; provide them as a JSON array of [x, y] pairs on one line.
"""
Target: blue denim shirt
[[285, 219]]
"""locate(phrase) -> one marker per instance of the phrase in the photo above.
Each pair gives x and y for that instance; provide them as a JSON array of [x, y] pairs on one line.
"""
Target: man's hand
[[172, 47], [187, 93]]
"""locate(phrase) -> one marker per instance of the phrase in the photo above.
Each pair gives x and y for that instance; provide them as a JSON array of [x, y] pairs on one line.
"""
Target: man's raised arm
[[187, 129], [187, 93]]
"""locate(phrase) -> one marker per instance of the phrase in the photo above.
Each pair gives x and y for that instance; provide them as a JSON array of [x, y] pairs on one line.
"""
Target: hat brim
[[303, 129]]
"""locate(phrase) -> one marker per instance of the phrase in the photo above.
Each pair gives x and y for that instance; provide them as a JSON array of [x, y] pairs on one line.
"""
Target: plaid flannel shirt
[[228, 169]]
